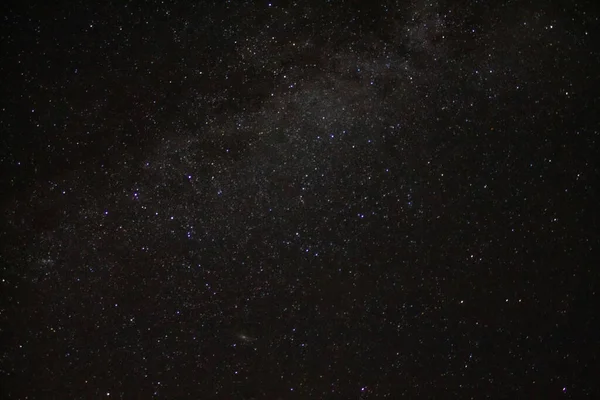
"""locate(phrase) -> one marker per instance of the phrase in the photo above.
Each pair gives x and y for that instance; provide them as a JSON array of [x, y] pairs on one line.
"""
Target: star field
[[292, 200]]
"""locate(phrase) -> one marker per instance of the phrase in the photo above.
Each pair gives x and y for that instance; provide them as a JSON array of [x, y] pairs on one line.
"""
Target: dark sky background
[[277, 200]]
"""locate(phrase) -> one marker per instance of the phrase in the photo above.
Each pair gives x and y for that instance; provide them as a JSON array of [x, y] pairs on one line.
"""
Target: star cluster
[[299, 200]]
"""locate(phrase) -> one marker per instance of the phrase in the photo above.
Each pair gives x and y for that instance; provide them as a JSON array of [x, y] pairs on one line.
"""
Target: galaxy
[[299, 200]]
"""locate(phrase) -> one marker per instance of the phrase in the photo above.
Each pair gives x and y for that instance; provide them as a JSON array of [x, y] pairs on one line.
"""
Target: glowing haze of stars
[[322, 200]]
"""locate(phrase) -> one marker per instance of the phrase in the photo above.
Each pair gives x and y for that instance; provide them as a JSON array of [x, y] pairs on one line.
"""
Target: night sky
[[276, 200]]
